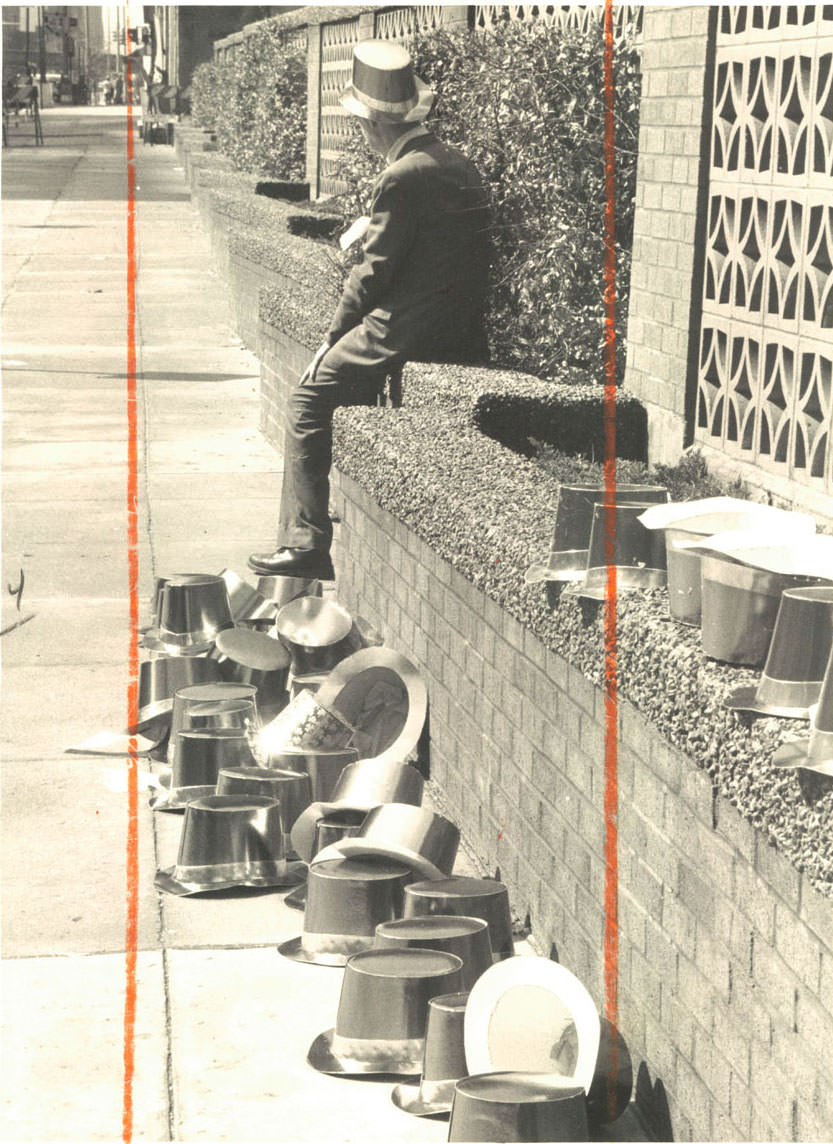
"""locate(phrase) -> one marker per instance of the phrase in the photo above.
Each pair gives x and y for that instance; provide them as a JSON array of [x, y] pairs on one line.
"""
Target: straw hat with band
[[384, 86]]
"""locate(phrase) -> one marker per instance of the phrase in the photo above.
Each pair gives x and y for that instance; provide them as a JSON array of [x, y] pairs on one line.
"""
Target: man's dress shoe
[[311, 562]]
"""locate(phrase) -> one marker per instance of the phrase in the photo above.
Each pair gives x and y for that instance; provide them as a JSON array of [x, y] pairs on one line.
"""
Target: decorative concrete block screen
[[765, 375], [625, 16]]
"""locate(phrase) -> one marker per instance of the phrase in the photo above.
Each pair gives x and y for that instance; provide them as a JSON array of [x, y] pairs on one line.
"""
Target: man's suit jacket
[[420, 289]]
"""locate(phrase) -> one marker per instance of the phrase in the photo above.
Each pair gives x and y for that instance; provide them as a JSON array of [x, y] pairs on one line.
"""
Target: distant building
[[185, 34]]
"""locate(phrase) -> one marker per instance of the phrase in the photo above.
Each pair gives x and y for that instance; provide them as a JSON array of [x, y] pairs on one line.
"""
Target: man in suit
[[418, 293]]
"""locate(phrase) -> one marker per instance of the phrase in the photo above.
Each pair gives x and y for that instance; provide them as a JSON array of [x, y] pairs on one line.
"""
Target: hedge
[[489, 512], [257, 103], [525, 103]]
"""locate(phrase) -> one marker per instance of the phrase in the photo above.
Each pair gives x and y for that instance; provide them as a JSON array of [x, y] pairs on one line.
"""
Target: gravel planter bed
[[489, 512], [312, 265]]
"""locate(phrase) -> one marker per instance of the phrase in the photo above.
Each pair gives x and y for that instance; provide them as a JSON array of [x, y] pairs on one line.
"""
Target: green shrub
[[207, 92], [525, 103], [260, 113]]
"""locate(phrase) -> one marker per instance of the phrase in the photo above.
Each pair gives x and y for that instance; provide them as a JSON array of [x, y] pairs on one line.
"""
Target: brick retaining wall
[[725, 949]]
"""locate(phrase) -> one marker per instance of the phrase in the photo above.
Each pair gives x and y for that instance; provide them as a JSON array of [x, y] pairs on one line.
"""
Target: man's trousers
[[352, 372]]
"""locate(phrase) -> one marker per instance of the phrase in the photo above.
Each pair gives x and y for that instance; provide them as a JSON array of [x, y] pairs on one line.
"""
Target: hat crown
[[384, 85]]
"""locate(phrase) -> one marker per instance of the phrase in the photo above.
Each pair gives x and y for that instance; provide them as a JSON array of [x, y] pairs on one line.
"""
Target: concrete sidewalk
[[223, 1022]]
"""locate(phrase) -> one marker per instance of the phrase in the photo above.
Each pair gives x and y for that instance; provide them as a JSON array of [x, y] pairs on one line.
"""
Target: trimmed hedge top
[[490, 514]]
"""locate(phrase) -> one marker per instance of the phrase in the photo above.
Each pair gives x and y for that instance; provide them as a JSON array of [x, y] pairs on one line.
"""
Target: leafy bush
[[206, 94], [526, 104], [259, 104]]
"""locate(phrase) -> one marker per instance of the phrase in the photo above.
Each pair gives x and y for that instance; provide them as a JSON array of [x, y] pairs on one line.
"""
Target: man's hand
[[308, 376]]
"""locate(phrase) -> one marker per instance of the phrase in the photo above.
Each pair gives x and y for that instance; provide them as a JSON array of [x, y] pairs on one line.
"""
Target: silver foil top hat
[[191, 610], [382, 1011], [383, 697], [246, 656], [248, 605], [280, 590], [323, 767], [567, 559], [638, 554], [814, 753], [711, 515], [290, 788], [467, 937], [199, 757], [532, 1014], [318, 633], [208, 706], [473, 897], [305, 725], [160, 678], [424, 841], [361, 786], [346, 900], [227, 841], [444, 1061], [739, 608], [517, 1106], [798, 653]]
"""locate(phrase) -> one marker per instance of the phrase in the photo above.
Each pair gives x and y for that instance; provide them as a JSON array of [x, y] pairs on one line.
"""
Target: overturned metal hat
[[779, 551], [740, 607], [318, 633], [207, 706], [227, 841], [797, 657], [570, 545], [531, 1013], [360, 787], [382, 1011], [245, 656], [327, 830], [638, 554], [383, 697], [424, 841], [305, 725], [248, 605], [323, 767], [346, 899], [199, 756], [160, 678], [466, 937], [191, 610], [517, 1106], [290, 788], [474, 897], [444, 1060], [280, 590], [815, 752], [710, 515]]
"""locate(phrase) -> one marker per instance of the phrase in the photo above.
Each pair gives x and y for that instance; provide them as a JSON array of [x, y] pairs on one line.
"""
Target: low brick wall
[[725, 965], [725, 950], [245, 281]]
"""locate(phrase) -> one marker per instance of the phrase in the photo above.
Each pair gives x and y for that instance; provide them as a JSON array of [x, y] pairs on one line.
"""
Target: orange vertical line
[[611, 791], [132, 856]]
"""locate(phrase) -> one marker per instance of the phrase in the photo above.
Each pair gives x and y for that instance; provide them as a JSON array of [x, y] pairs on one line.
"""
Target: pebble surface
[[490, 513]]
